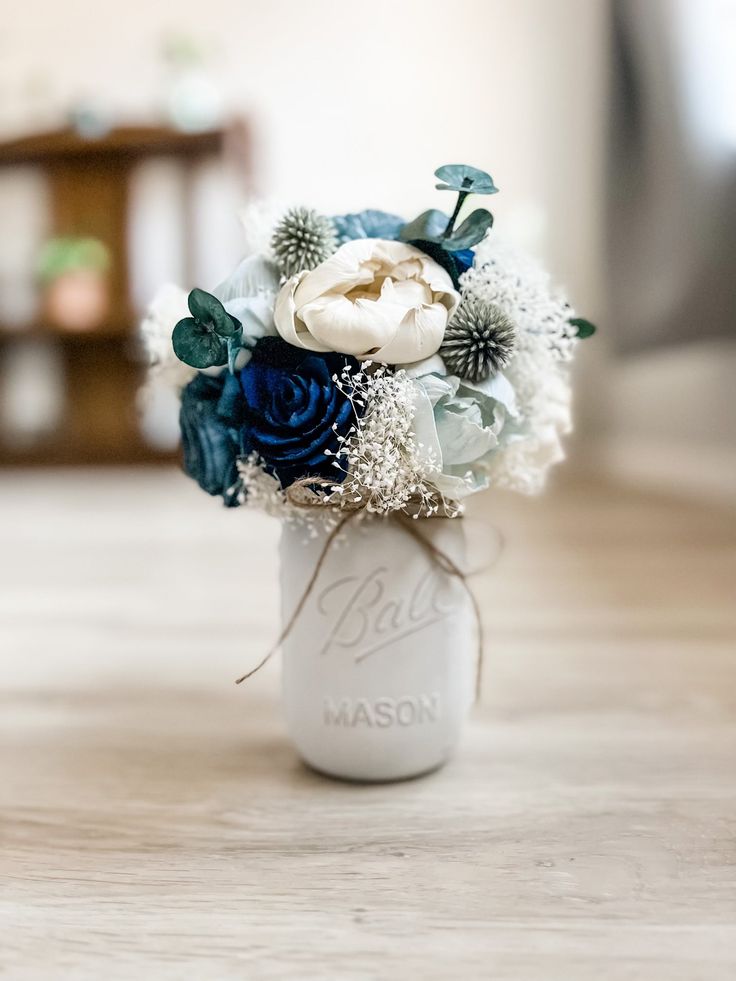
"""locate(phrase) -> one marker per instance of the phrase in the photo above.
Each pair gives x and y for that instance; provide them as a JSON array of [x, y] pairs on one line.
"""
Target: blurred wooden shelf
[[89, 182], [56, 452], [113, 331], [123, 141]]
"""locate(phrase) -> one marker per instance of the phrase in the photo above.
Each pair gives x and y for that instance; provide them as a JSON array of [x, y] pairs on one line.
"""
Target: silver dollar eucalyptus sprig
[[303, 239], [479, 340]]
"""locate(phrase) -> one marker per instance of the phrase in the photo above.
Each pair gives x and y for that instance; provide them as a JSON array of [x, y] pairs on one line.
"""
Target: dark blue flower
[[464, 259], [293, 411], [211, 411]]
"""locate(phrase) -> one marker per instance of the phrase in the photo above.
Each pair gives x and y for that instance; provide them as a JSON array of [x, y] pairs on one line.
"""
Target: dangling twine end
[[258, 667]]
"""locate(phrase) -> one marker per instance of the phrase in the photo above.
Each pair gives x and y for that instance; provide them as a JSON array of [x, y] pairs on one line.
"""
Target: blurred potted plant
[[73, 273]]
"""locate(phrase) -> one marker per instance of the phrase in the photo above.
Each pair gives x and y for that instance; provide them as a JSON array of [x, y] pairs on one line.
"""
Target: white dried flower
[[538, 369], [261, 490], [258, 218], [386, 468], [503, 275]]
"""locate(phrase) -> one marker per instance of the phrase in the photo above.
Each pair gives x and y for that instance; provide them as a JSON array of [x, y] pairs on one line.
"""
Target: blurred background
[[132, 136], [152, 809]]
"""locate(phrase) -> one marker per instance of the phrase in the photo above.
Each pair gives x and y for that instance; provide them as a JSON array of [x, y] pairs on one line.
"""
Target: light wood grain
[[156, 823]]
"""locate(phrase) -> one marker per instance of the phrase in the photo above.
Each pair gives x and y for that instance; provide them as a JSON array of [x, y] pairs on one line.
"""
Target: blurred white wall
[[354, 104]]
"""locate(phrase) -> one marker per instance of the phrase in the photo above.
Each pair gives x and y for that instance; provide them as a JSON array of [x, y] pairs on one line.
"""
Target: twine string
[[286, 630], [441, 558], [449, 567]]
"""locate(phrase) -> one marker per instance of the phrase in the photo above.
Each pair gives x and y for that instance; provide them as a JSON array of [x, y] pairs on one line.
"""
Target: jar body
[[379, 666]]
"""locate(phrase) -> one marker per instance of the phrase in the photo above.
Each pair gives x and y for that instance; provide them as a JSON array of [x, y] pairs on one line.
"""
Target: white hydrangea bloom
[[258, 218], [533, 443], [514, 281], [538, 371]]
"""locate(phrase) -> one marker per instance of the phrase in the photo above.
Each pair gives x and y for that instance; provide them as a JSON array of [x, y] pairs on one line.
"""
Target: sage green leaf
[[464, 178], [472, 230], [198, 345], [584, 327], [202, 305], [428, 226], [209, 311]]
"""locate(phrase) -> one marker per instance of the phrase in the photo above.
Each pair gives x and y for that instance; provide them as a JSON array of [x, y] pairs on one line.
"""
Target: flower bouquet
[[359, 377]]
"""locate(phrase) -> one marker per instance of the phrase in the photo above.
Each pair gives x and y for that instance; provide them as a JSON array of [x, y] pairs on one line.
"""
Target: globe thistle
[[479, 340], [302, 240]]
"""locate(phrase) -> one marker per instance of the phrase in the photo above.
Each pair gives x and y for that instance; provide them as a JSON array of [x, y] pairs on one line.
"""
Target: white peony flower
[[375, 299]]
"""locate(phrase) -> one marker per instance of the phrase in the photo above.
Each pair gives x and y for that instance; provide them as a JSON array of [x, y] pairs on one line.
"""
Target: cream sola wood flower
[[373, 298]]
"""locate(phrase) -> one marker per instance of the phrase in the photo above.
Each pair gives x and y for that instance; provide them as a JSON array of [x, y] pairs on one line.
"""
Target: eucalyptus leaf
[[209, 311], [202, 305], [197, 345], [470, 232], [583, 326], [428, 226], [464, 179]]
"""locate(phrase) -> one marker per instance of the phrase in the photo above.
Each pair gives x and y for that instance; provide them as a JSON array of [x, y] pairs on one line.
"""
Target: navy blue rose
[[210, 419], [293, 411]]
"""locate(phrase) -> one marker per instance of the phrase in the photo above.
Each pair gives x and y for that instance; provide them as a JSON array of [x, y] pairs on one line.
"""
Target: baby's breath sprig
[[386, 468]]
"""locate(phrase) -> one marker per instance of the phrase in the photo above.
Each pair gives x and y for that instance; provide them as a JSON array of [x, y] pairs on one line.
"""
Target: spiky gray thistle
[[302, 239], [479, 340]]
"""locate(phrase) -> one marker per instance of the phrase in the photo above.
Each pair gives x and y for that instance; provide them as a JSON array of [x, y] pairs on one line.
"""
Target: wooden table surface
[[156, 823]]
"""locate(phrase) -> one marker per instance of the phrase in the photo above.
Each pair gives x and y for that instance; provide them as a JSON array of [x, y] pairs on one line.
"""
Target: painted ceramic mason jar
[[379, 666]]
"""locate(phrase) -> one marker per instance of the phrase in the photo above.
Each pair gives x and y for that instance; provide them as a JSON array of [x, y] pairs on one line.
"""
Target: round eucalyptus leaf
[[472, 230], [197, 345], [209, 311], [428, 226], [225, 324], [583, 326], [202, 305], [464, 178]]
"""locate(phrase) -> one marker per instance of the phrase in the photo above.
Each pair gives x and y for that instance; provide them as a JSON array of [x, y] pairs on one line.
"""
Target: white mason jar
[[379, 667]]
